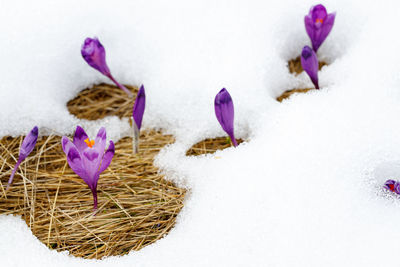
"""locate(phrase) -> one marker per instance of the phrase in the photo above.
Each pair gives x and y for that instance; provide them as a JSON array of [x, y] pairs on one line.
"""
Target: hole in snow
[[137, 206], [389, 170], [386, 171], [209, 146], [294, 66], [100, 101]]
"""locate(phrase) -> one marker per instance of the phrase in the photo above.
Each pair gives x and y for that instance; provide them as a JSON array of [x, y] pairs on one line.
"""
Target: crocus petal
[[79, 138], [318, 25], [107, 157], [100, 141], [66, 144], [28, 144], [326, 27], [397, 188], [91, 162], [392, 186], [224, 112], [95, 55], [389, 185], [74, 158], [318, 12], [75, 161], [309, 62], [138, 107], [309, 26]]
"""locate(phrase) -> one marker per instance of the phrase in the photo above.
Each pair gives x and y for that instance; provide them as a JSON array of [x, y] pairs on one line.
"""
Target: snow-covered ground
[[305, 190]]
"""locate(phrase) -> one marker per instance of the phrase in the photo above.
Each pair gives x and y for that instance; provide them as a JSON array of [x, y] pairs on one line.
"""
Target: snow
[[305, 190]]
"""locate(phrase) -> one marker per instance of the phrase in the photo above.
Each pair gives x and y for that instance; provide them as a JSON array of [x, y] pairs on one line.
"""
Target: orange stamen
[[319, 20], [90, 143]]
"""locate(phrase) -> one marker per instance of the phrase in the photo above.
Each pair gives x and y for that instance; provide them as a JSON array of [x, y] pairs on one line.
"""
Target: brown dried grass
[[102, 100], [288, 93], [209, 146], [137, 206], [295, 67]]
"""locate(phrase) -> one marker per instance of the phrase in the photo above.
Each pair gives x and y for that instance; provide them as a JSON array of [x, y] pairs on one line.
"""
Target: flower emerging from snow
[[309, 62], [224, 111], [26, 148], [87, 157], [318, 25], [95, 55], [393, 186], [137, 114]]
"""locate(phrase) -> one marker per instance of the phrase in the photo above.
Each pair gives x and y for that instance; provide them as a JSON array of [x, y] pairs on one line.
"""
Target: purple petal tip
[[309, 63], [392, 186], [139, 107], [28, 144], [318, 25], [224, 111], [95, 55]]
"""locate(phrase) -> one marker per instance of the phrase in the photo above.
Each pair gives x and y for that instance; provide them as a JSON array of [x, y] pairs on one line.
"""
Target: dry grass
[[288, 93], [136, 205], [294, 66], [102, 100], [209, 146]]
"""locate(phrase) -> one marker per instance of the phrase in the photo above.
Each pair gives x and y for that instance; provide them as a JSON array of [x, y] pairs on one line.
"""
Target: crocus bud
[[138, 107], [392, 186], [95, 55], [28, 144], [137, 115], [224, 111], [309, 62], [318, 25], [87, 158]]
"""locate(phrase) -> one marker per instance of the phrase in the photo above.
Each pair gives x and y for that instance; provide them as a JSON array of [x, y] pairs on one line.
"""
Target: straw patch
[[209, 146], [137, 206], [294, 66], [288, 93], [102, 100]]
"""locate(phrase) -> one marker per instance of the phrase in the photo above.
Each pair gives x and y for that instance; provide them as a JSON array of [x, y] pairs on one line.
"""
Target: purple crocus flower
[[138, 107], [392, 186], [137, 114], [87, 157], [224, 111], [26, 148], [309, 62], [95, 55], [318, 25]]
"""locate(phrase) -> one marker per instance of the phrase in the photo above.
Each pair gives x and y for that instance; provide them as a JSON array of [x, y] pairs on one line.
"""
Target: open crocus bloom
[[224, 112], [318, 25], [26, 148], [87, 157], [393, 186], [95, 55], [309, 62]]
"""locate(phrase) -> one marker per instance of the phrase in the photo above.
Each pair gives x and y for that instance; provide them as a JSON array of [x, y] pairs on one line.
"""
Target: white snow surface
[[304, 190]]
